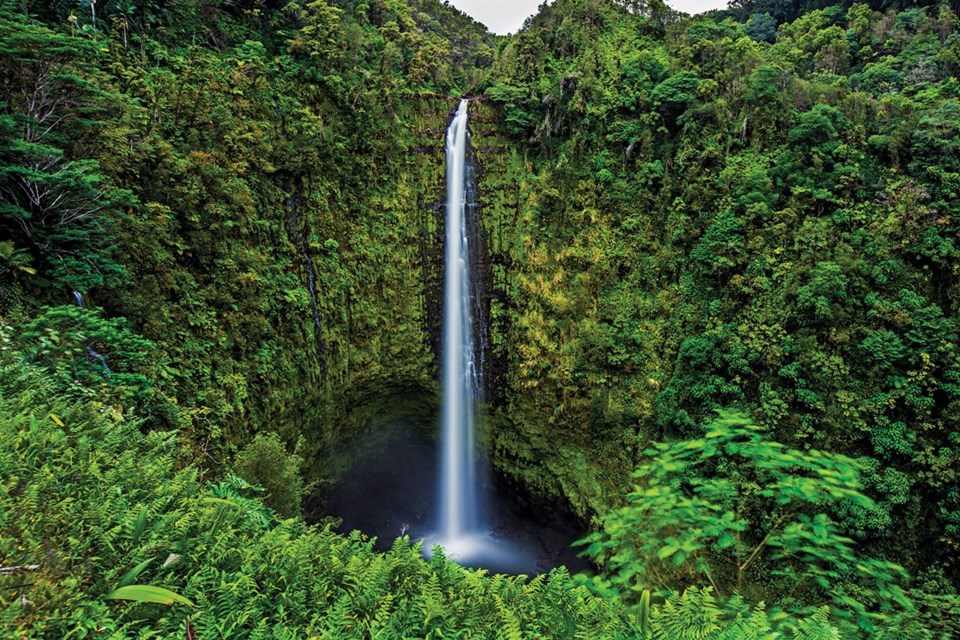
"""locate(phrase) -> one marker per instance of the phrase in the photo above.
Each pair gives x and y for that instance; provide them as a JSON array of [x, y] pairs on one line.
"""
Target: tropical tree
[[747, 515], [54, 203]]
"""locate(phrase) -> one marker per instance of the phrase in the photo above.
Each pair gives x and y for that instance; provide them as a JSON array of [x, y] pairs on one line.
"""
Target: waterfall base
[[484, 550], [385, 493]]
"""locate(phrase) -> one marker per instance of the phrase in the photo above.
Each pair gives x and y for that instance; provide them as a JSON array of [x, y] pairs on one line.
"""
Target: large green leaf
[[147, 593]]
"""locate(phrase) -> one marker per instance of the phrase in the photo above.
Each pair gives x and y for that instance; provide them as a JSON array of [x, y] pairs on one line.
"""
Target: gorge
[[714, 295], [467, 518]]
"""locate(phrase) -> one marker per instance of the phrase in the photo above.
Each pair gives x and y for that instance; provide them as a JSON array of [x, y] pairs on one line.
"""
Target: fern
[[817, 627], [510, 629], [694, 615]]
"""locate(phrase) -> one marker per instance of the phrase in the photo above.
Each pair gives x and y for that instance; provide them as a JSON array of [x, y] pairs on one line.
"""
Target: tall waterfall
[[459, 369]]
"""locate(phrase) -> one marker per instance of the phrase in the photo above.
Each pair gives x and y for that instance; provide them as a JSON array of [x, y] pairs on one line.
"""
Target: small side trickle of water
[[92, 354], [296, 238], [97, 357]]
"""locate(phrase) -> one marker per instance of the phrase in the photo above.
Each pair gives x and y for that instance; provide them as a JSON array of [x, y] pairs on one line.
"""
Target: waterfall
[[463, 531], [77, 298], [459, 370]]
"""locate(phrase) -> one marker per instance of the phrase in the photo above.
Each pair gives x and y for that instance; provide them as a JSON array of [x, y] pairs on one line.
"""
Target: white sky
[[507, 16]]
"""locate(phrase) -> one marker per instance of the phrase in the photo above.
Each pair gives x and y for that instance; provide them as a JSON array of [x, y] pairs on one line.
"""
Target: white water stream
[[459, 375]]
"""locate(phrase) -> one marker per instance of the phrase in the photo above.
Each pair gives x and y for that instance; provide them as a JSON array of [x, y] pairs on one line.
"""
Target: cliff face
[[261, 250], [541, 433], [379, 271], [352, 338]]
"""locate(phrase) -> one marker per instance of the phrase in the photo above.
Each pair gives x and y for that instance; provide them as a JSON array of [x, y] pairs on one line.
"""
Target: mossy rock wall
[[538, 429]]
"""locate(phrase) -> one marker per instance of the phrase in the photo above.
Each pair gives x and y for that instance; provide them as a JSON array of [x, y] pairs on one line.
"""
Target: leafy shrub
[[737, 510], [265, 462]]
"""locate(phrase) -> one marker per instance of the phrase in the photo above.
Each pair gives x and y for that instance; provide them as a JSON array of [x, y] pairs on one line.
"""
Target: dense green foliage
[[245, 241], [91, 505], [115, 538], [743, 513], [706, 219], [754, 209]]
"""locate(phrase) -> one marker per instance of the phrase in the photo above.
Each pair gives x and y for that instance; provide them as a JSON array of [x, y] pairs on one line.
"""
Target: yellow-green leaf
[[147, 593]]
